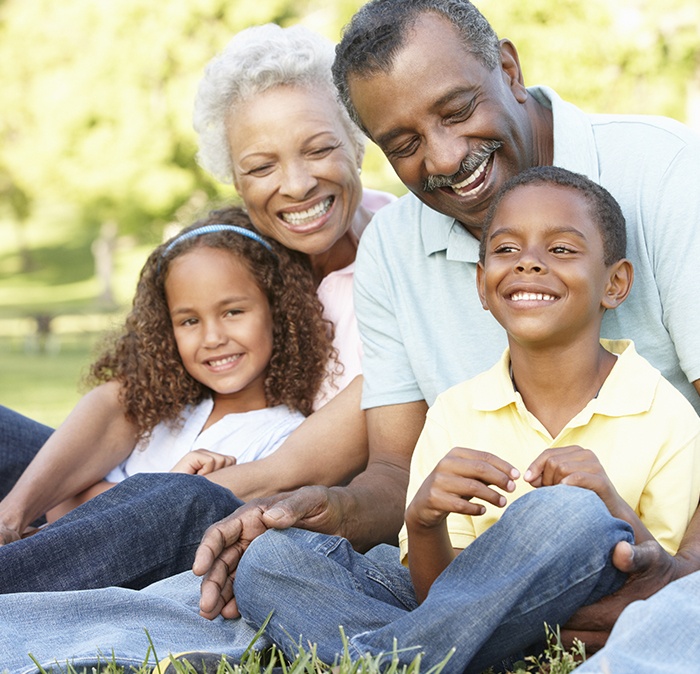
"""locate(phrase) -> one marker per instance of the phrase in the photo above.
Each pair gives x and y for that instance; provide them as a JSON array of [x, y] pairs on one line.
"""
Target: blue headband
[[208, 229]]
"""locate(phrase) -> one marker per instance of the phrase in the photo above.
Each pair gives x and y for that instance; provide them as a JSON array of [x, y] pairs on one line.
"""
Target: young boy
[[588, 443]]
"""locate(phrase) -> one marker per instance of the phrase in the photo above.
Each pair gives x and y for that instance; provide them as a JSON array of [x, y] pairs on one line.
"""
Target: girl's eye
[[189, 321], [234, 312]]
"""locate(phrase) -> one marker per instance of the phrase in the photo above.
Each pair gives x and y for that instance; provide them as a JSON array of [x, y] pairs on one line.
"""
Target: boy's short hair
[[603, 207]]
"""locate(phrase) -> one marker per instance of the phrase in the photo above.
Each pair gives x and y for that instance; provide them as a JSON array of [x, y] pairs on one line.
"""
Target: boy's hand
[[202, 462], [462, 474], [576, 467]]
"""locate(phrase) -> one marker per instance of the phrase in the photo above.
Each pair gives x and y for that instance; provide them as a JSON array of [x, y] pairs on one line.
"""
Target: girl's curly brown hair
[[155, 387]]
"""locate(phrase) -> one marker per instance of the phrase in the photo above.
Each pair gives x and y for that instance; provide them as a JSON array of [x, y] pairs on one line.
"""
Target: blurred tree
[[97, 94], [97, 98]]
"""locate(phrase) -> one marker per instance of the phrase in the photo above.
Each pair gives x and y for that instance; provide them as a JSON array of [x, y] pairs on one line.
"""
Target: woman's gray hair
[[255, 60]]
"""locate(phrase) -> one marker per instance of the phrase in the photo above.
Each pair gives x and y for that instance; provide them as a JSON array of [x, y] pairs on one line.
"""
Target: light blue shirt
[[421, 322]]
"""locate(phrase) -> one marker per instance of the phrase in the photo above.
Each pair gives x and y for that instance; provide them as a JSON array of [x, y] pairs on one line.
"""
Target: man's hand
[[650, 567], [202, 462], [223, 543]]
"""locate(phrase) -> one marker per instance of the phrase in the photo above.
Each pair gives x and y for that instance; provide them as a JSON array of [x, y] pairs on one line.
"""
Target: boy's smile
[[544, 276]]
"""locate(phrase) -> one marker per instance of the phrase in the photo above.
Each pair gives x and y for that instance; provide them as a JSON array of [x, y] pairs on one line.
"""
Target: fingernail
[[275, 513], [528, 475]]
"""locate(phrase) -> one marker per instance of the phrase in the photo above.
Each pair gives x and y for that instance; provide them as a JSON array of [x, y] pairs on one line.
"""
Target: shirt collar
[[632, 376], [442, 233], [574, 143]]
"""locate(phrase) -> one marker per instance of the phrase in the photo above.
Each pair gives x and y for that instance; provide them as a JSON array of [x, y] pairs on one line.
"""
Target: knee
[[577, 514], [262, 571]]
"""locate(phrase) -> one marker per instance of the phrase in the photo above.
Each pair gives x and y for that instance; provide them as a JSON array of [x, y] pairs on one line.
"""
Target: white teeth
[[224, 361], [302, 217], [523, 297], [471, 178]]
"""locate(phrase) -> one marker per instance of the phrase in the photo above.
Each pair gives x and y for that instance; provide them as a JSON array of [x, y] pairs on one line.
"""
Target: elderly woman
[[268, 120]]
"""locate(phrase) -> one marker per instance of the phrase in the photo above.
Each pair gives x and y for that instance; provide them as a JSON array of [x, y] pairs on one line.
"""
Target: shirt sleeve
[[387, 371]]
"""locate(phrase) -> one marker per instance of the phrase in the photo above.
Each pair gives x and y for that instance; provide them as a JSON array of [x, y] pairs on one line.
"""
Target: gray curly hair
[[255, 60]]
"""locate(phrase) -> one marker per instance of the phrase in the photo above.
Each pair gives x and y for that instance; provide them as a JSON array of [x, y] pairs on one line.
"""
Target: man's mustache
[[468, 165]]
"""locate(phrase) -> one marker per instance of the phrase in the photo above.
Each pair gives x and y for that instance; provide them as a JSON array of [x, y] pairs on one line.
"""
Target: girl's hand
[[577, 467], [462, 474], [202, 462]]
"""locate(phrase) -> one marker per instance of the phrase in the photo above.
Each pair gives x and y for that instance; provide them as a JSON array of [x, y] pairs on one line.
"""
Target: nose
[[444, 152], [298, 181], [530, 262], [214, 334]]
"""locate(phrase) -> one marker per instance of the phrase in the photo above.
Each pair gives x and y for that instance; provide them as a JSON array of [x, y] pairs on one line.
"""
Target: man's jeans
[[657, 636], [548, 555]]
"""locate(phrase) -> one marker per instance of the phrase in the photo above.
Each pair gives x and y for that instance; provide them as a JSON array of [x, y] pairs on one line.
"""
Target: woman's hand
[[202, 462]]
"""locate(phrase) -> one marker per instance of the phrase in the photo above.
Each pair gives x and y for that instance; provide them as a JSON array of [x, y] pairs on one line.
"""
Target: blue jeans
[[657, 636], [548, 555], [144, 529], [76, 627], [20, 439]]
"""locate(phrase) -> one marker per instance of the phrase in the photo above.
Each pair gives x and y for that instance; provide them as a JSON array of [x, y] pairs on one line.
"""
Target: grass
[[555, 660]]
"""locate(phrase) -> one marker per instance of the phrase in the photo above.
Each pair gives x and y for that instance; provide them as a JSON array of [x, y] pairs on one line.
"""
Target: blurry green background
[[97, 150]]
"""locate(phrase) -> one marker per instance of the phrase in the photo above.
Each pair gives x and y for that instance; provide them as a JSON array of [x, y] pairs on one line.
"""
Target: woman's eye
[[260, 170], [323, 151]]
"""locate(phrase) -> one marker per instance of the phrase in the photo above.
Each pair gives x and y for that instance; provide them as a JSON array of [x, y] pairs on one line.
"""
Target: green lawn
[[43, 385]]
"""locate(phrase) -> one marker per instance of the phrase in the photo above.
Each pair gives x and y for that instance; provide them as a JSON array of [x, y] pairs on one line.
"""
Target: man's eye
[[405, 150]]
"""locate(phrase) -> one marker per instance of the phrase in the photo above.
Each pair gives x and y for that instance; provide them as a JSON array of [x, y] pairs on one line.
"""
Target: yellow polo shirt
[[644, 432]]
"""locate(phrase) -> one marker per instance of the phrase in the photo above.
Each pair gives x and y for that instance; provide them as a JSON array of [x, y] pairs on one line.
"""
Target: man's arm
[[650, 567], [328, 448], [368, 511]]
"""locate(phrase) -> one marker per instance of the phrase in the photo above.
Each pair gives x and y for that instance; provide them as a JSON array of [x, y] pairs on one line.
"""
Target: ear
[[510, 64], [619, 284], [481, 284]]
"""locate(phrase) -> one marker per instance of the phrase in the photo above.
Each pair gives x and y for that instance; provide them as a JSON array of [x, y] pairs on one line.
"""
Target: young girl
[[221, 356]]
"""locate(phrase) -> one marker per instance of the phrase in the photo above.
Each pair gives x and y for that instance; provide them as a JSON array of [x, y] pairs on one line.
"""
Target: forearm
[[373, 503], [687, 558], [94, 438], [329, 448], [74, 501], [429, 553]]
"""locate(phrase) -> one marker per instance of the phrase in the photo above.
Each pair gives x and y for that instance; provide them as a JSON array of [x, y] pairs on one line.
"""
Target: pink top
[[336, 294]]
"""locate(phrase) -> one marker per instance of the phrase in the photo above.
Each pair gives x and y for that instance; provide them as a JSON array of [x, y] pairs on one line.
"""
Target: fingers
[[216, 539], [300, 506], [647, 557], [554, 465]]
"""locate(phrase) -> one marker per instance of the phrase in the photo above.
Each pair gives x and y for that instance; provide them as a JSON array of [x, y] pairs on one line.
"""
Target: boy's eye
[[559, 250], [504, 248], [234, 312]]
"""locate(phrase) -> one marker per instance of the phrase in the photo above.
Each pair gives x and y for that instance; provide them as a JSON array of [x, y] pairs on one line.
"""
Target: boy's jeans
[[548, 555]]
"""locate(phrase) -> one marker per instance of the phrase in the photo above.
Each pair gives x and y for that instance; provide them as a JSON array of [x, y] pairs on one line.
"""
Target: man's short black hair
[[603, 207], [380, 29]]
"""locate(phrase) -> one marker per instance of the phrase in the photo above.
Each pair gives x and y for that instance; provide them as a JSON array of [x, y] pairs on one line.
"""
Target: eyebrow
[[229, 300], [554, 229]]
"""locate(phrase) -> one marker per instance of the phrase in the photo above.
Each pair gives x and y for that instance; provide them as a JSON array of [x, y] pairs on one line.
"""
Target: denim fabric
[[144, 529], [657, 636], [548, 555], [91, 626], [20, 439]]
